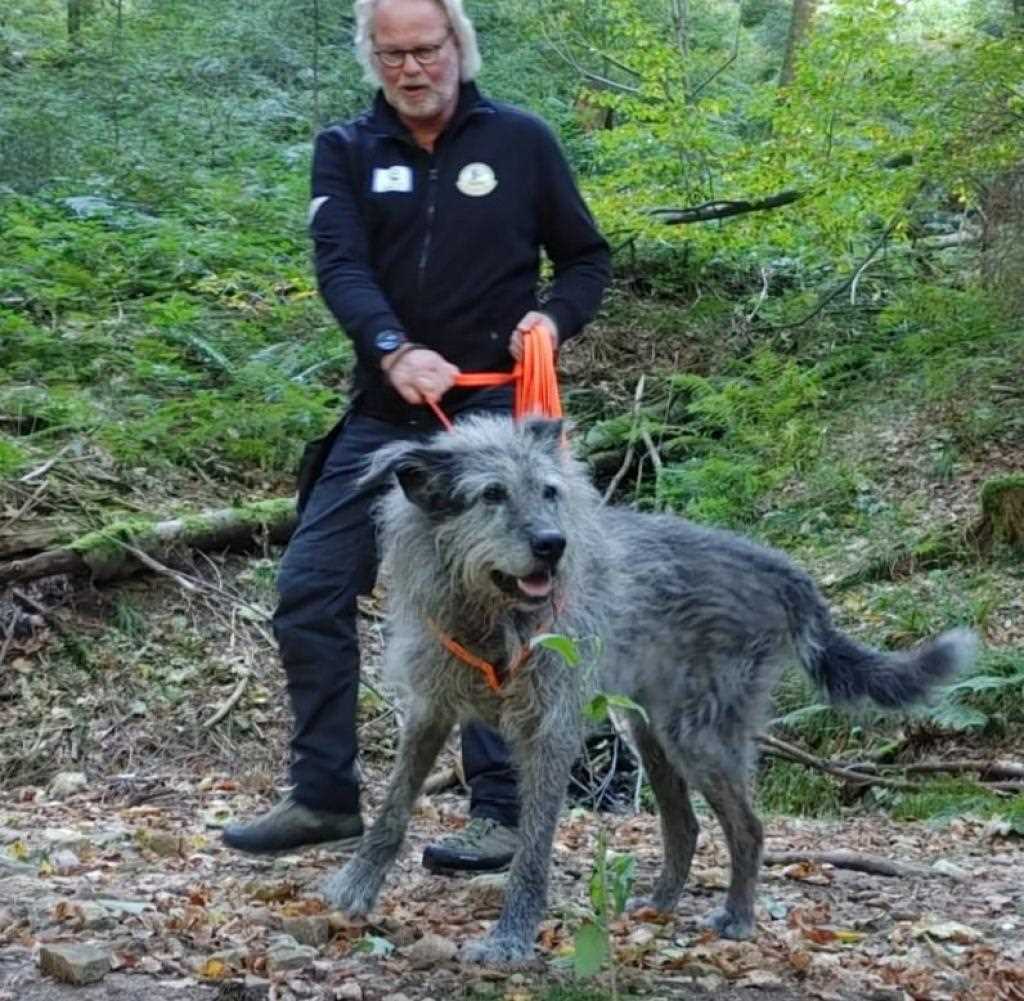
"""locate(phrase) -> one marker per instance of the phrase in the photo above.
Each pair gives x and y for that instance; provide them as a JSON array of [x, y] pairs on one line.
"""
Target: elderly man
[[429, 213]]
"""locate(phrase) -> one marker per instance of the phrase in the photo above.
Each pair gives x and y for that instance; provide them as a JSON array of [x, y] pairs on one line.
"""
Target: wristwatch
[[389, 340]]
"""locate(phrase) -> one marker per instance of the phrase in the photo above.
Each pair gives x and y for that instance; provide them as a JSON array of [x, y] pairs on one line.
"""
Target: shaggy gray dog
[[497, 536]]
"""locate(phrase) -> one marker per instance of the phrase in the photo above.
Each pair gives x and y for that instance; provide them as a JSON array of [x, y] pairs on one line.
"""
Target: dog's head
[[494, 498]]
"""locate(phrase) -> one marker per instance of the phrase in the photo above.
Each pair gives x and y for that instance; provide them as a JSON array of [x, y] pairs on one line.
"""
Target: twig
[[855, 861], [25, 508], [45, 467], [229, 703], [638, 395], [993, 769]]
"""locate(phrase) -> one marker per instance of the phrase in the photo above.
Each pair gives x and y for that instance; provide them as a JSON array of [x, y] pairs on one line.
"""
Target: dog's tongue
[[537, 585]]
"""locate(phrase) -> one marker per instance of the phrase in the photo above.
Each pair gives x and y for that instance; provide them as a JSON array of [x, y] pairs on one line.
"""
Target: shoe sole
[[451, 868], [339, 845]]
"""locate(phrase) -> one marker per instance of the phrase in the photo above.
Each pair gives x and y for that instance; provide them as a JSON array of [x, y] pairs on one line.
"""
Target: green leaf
[[591, 950], [563, 645], [598, 707], [374, 945]]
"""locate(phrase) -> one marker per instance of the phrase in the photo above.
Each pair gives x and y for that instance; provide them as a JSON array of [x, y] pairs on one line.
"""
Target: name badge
[[397, 178]]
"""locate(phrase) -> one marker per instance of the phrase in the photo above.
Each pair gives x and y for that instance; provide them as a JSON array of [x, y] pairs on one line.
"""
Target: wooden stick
[[853, 860]]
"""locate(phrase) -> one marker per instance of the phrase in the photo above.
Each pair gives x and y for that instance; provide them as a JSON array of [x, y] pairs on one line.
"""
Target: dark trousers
[[331, 559]]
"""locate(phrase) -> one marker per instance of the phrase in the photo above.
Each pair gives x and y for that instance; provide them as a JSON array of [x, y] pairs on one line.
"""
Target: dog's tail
[[848, 671]]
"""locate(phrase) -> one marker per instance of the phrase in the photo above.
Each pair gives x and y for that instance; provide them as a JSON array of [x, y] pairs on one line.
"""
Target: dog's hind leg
[[354, 888], [543, 768], [726, 789], [679, 826]]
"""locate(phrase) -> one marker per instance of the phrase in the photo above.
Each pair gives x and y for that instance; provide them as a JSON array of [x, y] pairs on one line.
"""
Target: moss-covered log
[[106, 554]]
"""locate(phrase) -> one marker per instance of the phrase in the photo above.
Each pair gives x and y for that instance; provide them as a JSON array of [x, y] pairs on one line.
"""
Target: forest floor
[[136, 868], [163, 694]]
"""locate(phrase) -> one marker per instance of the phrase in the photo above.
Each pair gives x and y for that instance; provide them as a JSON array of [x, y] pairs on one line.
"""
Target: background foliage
[[834, 375]]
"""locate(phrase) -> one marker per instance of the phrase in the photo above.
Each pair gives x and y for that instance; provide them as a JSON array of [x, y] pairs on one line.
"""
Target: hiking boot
[[483, 845], [291, 825]]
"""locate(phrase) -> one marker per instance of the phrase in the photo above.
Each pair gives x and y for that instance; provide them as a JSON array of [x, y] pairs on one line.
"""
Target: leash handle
[[534, 378]]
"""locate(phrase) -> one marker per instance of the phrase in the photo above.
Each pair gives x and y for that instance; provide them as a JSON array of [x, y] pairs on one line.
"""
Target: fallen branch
[[722, 209], [107, 554], [863, 775], [985, 769], [855, 861], [780, 749]]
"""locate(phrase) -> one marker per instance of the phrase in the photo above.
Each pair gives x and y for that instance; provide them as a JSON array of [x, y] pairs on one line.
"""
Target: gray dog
[[496, 537]]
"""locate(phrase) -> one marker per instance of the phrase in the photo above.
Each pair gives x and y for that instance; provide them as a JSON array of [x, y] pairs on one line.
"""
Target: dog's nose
[[548, 545]]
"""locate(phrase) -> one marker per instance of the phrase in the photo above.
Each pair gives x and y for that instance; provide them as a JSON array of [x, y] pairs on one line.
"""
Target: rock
[[486, 892], [83, 963], [395, 997], [954, 872], [349, 991], [312, 930], [163, 843], [948, 931], [122, 908], [56, 838], [67, 783], [431, 950], [65, 861], [284, 953]]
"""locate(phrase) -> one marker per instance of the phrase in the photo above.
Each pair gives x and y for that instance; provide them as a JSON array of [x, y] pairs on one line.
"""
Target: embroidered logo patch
[[397, 178], [476, 180]]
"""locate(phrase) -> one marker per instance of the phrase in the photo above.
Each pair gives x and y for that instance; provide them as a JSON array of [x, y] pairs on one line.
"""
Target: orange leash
[[536, 393], [536, 383]]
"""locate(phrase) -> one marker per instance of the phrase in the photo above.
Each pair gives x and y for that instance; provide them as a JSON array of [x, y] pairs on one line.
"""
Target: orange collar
[[486, 668]]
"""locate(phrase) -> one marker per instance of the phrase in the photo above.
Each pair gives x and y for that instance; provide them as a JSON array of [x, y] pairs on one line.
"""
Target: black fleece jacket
[[445, 246]]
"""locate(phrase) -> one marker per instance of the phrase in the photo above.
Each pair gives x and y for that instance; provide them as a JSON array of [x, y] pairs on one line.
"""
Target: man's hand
[[420, 375], [528, 322]]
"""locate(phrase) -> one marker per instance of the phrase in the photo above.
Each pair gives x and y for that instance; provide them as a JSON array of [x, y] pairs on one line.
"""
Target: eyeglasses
[[425, 55]]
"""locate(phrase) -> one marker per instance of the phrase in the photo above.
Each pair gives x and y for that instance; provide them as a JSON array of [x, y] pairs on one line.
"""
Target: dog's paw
[[493, 951], [728, 924], [353, 888]]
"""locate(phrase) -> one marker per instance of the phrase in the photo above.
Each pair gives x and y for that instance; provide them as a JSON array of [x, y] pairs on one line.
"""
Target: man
[[428, 216]]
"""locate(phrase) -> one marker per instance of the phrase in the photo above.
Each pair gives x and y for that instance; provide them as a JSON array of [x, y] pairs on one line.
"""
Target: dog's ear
[[426, 475], [550, 434]]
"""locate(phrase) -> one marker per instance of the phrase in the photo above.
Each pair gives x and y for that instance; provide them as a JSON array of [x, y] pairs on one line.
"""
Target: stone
[[284, 953], [312, 930], [953, 871], [431, 950], [76, 963], [349, 991], [67, 784], [487, 891], [163, 843]]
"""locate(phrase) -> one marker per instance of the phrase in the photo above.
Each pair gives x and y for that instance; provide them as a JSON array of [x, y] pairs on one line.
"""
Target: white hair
[[462, 29]]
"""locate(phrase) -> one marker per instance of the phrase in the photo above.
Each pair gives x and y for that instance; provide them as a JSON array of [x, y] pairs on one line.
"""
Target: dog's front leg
[[354, 888], [543, 766]]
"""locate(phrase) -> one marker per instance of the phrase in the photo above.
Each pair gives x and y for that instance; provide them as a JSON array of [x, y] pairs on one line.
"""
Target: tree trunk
[[108, 553], [78, 11], [799, 30]]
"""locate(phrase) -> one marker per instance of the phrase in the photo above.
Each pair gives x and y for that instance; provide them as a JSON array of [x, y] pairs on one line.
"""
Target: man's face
[[422, 95]]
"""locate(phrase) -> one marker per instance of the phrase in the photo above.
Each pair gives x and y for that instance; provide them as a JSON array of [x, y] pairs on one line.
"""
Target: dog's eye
[[495, 493], [550, 492]]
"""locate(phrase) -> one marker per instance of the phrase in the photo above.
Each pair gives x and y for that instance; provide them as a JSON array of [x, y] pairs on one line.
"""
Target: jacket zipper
[[431, 212]]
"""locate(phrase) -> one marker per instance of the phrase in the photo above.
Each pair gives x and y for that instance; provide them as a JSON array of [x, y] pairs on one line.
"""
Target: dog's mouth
[[535, 587]]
